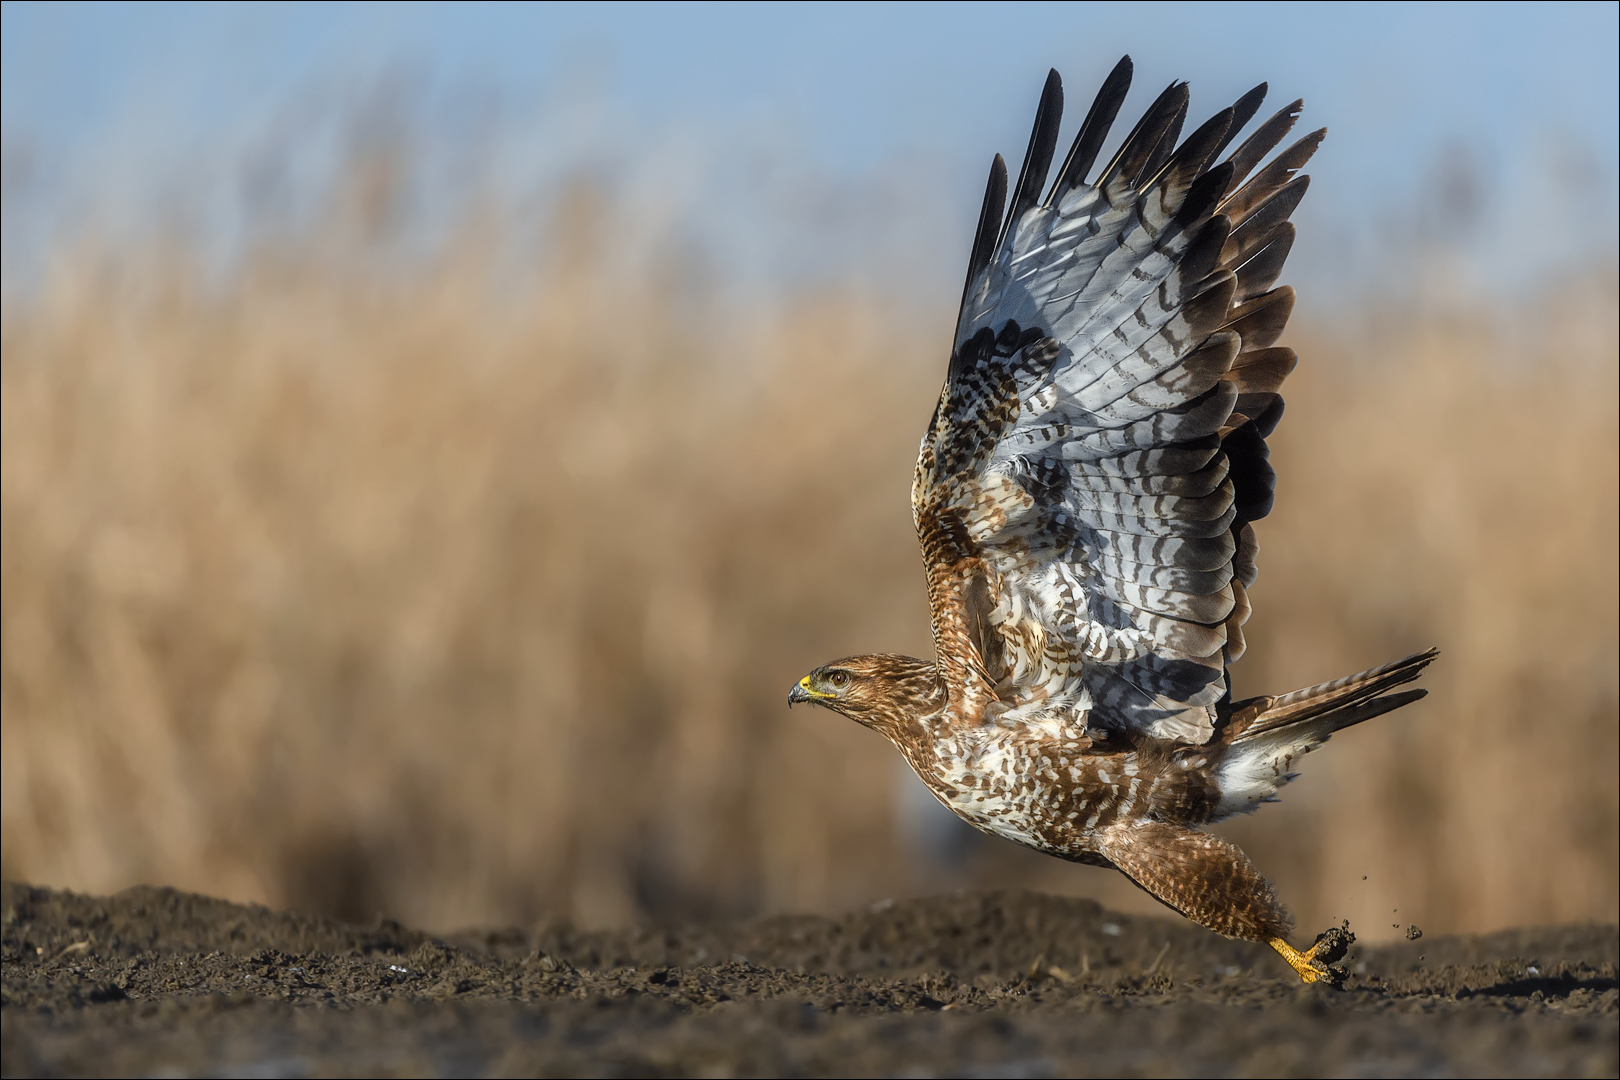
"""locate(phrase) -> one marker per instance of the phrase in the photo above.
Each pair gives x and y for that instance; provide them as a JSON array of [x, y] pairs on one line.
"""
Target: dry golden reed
[[468, 596]]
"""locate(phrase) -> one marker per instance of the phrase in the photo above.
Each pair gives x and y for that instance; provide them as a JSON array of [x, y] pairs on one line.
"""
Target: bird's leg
[[1211, 882]]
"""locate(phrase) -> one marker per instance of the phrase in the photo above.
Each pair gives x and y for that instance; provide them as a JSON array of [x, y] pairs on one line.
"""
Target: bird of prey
[[1085, 497]]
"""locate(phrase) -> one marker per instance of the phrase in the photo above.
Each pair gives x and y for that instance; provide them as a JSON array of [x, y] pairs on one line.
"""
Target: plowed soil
[[157, 982]]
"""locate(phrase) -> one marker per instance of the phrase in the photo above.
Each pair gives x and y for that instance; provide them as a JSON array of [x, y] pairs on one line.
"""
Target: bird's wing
[[1085, 489]]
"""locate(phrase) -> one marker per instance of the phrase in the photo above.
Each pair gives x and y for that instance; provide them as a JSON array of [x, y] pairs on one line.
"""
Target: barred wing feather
[[1085, 492]]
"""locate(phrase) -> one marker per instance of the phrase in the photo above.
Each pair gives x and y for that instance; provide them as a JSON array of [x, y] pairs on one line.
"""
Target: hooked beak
[[800, 692]]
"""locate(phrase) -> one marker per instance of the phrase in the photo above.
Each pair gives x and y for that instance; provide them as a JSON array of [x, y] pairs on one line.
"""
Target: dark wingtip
[[1190, 159], [1139, 146], [1089, 139], [1165, 148], [984, 237], [1243, 111], [1038, 158], [1265, 139]]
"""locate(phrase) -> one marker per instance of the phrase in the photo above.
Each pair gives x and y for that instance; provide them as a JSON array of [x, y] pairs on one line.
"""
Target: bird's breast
[[1043, 793]]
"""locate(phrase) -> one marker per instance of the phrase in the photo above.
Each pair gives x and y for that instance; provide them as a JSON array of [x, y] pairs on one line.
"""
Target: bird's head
[[883, 692]]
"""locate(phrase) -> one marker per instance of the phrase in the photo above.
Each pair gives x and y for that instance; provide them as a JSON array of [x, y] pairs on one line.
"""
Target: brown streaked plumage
[[1084, 498]]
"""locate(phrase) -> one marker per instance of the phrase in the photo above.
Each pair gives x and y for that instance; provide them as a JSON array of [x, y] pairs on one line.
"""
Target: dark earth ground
[[156, 982]]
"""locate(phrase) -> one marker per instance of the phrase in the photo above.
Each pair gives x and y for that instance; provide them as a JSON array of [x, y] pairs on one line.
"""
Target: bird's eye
[[839, 679]]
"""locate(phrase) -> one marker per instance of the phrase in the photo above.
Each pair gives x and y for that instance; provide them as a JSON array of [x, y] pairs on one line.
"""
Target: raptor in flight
[[1085, 498]]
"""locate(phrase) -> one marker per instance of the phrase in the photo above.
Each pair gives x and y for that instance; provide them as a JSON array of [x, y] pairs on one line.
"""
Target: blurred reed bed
[[471, 594]]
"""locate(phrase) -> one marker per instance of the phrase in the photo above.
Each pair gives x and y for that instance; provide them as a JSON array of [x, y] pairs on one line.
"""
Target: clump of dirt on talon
[[1332, 943], [1413, 933], [1329, 948]]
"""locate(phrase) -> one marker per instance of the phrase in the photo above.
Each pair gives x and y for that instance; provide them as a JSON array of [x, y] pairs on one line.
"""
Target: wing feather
[[1260, 322], [1085, 492], [1254, 149], [1089, 139], [1260, 272], [1252, 231], [984, 237], [1279, 170], [1038, 158], [1144, 139], [1243, 111]]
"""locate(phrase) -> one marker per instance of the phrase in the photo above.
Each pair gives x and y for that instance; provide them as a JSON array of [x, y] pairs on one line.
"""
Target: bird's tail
[[1262, 736]]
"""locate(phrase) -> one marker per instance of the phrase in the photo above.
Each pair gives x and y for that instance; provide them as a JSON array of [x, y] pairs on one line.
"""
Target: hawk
[[1085, 499]]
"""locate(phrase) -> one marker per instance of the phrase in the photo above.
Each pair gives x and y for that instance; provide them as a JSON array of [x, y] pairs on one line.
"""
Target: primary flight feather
[[1085, 497]]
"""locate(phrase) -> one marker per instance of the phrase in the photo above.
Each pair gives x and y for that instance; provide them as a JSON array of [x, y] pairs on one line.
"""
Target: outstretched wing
[[1085, 490]]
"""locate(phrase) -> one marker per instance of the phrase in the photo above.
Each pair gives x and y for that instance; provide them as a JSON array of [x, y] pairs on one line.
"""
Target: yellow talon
[[1299, 961]]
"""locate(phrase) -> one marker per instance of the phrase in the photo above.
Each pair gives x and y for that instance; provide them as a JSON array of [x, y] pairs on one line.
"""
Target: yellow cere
[[812, 691]]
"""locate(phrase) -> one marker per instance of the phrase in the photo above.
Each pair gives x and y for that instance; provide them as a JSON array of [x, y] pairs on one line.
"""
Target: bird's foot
[[1319, 962]]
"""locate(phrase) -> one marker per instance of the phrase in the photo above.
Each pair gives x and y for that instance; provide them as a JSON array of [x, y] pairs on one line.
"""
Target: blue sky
[[751, 125]]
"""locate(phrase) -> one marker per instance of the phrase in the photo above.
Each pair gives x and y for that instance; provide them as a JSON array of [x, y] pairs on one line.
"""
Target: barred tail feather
[[1264, 735]]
